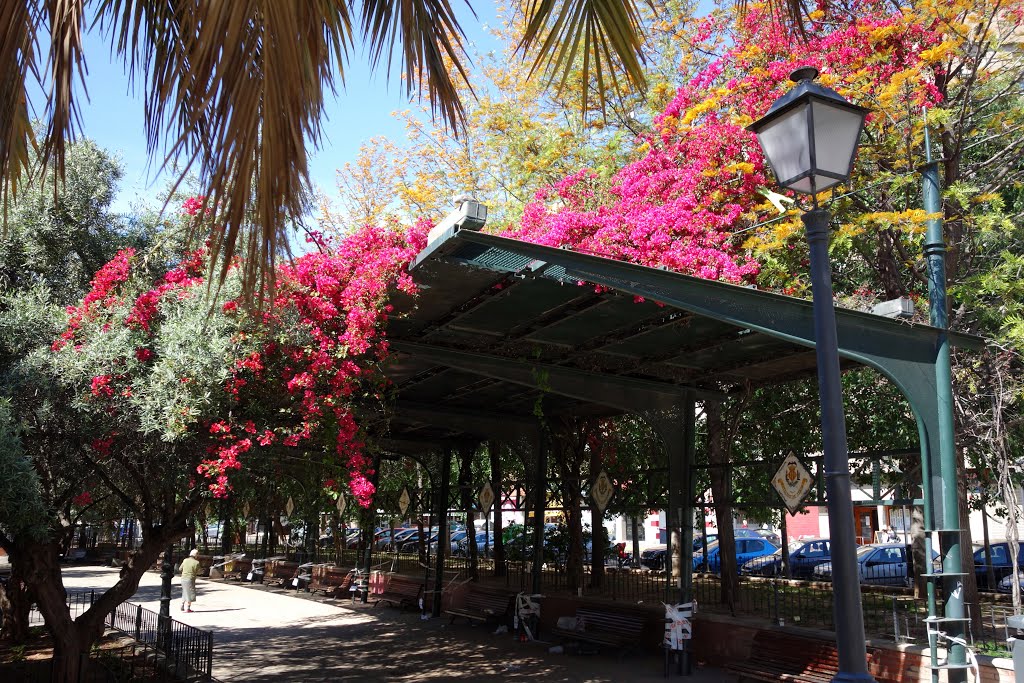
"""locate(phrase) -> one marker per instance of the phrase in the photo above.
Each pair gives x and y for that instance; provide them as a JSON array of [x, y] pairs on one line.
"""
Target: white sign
[[793, 482], [677, 625], [602, 491], [341, 504], [289, 507], [486, 498], [404, 500]]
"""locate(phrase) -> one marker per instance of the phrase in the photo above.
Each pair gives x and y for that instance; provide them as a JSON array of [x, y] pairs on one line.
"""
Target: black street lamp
[[809, 136]]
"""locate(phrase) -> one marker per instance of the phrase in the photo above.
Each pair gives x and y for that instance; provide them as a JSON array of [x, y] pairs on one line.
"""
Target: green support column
[[953, 622], [689, 455], [442, 528], [677, 429]]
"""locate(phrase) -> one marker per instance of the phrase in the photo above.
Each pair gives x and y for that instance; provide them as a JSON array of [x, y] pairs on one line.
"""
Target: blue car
[[746, 549], [1001, 565], [803, 558]]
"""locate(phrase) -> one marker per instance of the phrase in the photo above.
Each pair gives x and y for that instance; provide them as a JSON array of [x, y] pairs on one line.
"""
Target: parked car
[[804, 556], [1001, 565], [746, 549], [653, 557], [772, 537], [885, 564], [1006, 583]]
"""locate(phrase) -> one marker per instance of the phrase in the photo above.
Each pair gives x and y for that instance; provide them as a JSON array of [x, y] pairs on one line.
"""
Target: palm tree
[[234, 90]]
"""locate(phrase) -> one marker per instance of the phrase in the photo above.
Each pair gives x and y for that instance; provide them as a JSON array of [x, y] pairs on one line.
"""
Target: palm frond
[[233, 91], [428, 34], [67, 64], [605, 33], [18, 22]]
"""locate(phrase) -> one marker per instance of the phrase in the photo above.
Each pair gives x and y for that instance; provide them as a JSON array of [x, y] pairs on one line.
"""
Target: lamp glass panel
[[824, 182], [836, 130], [785, 142]]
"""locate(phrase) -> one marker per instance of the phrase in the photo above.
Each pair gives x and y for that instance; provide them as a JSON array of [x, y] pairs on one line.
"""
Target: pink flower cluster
[[100, 296], [337, 304]]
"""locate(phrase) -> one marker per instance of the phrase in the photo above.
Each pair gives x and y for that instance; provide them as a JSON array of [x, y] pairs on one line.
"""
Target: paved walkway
[[270, 635]]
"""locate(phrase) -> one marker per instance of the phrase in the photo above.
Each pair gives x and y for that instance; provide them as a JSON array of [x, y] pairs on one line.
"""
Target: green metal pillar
[[953, 621], [442, 528], [689, 483]]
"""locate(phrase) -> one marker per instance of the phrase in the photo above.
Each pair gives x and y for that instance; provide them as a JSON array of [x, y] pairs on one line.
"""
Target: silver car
[[879, 564]]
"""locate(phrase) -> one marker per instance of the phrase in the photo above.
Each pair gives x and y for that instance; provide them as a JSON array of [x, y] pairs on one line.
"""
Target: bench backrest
[[279, 568], [610, 621], [401, 585], [769, 646], [487, 601]]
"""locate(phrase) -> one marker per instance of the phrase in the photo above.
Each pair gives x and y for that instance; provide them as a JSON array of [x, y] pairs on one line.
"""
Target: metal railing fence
[[187, 650]]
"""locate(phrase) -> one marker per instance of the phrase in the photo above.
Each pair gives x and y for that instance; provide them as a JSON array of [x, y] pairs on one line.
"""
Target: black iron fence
[[186, 651], [77, 602]]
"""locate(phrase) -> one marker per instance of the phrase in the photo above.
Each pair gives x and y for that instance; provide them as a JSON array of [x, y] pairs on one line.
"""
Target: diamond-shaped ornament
[[602, 490], [486, 498], [341, 504], [404, 500], [793, 482], [289, 507]]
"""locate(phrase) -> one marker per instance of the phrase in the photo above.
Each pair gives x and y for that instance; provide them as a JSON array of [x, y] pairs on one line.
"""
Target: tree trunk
[[574, 559], [466, 495], [635, 523], [718, 459], [972, 600], [73, 638], [921, 563], [599, 537], [15, 603], [493, 449]]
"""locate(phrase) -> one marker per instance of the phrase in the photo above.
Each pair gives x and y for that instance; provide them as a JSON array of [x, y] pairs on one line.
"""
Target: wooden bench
[[605, 626], [779, 656], [333, 581], [237, 569], [401, 591], [280, 572], [482, 605]]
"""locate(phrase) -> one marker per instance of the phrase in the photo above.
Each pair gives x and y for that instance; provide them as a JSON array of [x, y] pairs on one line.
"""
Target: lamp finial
[[804, 73]]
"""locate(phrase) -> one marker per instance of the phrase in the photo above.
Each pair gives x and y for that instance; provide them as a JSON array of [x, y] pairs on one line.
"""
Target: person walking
[[189, 571]]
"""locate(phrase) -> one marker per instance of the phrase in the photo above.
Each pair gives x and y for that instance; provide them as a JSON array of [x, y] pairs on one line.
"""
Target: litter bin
[[1017, 645]]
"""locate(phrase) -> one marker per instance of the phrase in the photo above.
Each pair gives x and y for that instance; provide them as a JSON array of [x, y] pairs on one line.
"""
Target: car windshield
[[712, 546], [864, 550]]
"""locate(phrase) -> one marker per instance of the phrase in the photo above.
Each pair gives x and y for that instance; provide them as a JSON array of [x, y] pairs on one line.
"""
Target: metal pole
[[166, 573], [442, 529], [949, 533], [848, 617], [686, 518]]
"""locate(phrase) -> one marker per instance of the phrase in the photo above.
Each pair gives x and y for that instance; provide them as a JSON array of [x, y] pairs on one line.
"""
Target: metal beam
[[478, 422], [625, 393]]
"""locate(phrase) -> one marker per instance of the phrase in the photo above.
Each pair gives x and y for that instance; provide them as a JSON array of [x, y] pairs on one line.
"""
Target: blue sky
[[113, 117]]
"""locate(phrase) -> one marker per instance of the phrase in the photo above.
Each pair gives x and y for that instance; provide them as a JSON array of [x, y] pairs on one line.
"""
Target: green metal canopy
[[500, 322], [501, 327]]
